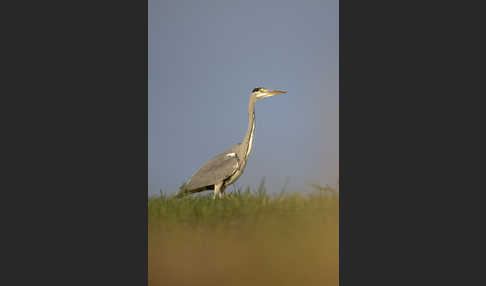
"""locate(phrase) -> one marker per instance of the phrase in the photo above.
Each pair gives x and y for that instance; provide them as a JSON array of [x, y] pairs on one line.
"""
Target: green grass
[[247, 238]]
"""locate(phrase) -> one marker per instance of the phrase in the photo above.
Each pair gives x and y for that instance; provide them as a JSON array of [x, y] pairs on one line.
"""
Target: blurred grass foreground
[[246, 238]]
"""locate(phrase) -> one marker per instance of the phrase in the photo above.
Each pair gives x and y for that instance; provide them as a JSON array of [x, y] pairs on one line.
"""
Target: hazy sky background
[[205, 57]]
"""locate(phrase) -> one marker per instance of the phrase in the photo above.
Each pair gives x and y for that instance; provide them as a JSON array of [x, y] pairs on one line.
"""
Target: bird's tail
[[182, 191]]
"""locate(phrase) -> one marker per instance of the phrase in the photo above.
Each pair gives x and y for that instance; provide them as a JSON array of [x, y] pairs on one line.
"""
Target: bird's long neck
[[250, 132]]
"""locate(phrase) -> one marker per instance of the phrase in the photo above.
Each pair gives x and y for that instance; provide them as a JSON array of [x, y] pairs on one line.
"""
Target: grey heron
[[224, 169]]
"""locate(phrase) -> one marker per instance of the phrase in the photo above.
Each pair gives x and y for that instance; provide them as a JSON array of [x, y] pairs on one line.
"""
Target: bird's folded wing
[[214, 171]]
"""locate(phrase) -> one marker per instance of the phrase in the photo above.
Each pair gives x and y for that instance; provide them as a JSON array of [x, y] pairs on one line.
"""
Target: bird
[[224, 169]]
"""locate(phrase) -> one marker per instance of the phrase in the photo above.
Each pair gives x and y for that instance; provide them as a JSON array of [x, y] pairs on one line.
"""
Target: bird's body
[[224, 169], [221, 168]]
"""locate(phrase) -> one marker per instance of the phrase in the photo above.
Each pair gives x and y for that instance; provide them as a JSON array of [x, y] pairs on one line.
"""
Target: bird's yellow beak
[[268, 93]]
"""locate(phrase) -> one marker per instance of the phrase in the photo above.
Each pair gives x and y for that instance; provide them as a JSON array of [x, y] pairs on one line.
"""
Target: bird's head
[[260, 92]]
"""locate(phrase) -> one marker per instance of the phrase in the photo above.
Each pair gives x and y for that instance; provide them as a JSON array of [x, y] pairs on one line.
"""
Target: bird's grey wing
[[214, 171]]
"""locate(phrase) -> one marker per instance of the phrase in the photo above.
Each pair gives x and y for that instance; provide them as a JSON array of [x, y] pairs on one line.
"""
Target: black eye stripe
[[256, 89]]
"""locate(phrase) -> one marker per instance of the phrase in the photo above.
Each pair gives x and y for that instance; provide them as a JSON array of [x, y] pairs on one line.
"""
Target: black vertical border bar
[[81, 119], [390, 77]]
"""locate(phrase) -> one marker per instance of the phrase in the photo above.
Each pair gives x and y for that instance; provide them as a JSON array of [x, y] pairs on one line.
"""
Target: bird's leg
[[217, 187], [221, 192]]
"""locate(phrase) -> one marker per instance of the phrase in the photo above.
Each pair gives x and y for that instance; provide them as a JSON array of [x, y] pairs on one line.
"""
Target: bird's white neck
[[252, 134]]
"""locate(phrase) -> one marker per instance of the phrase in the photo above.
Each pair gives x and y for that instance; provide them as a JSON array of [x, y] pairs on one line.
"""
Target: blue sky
[[205, 57]]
